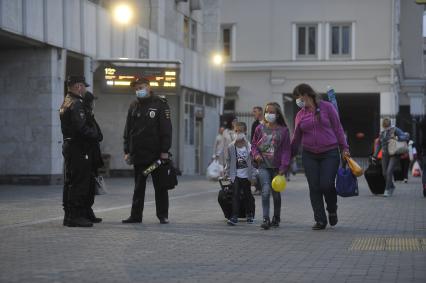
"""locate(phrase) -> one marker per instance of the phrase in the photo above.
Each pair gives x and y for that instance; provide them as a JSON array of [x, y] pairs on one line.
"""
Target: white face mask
[[241, 136], [270, 117], [141, 93], [300, 103]]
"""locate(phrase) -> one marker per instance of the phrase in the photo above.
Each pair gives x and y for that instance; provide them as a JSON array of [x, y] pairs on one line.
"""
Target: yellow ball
[[279, 183]]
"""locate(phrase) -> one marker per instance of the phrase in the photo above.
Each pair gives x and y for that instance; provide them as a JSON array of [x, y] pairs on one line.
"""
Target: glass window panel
[[186, 131], [335, 40], [186, 32], [345, 39], [312, 41], [227, 41], [191, 124], [199, 99], [194, 35], [301, 41]]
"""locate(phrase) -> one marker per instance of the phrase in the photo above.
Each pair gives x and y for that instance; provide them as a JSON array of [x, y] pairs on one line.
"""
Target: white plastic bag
[[416, 171], [214, 170]]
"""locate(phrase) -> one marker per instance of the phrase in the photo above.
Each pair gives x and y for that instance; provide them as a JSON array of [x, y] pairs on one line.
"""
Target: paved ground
[[377, 239]]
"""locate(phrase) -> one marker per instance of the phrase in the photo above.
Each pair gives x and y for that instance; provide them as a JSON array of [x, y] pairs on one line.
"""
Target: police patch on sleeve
[[152, 114], [167, 113]]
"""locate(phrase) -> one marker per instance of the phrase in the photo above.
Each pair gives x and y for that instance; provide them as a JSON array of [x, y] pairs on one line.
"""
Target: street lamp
[[123, 13], [217, 59]]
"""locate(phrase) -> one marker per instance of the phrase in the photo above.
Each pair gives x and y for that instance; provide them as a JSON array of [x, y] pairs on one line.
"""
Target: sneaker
[[275, 222], [164, 220], [319, 226], [232, 221], [332, 218], [405, 181], [387, 193], [266, 223], [250, 220], [132, 220]]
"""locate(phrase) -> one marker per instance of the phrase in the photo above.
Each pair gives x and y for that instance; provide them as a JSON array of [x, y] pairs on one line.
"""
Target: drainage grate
[[388, 244]]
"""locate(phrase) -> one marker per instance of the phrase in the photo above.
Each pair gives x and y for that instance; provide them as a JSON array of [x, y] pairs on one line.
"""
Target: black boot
[[132, 220], [92, 217], [266, 223], [66, 216], [78, 219], [275, 221]]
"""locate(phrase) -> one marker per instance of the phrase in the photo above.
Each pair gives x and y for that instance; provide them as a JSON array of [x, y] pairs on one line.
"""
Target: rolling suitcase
[[376, 181], [398, 175], [225, 199]]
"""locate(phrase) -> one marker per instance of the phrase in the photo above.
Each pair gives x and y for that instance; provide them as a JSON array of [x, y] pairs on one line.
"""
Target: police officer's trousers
[[161, 194], [77, 178]]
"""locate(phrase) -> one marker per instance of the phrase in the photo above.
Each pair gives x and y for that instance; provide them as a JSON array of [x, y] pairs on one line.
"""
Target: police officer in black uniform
[[147, 138], [95, 149], [78, 134]]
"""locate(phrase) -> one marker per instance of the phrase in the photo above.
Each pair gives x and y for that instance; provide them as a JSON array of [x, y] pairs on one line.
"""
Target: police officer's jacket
[[74, 121], [148, 130]]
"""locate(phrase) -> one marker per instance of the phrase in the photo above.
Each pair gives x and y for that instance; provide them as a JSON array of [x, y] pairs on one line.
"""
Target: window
[[193, 35], [189, 33], [340, 40], [229, 105], [226, 33], [306, 40], [186, 29]]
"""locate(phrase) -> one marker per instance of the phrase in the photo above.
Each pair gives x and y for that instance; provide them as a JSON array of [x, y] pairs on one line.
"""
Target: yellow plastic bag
[[355, 168]]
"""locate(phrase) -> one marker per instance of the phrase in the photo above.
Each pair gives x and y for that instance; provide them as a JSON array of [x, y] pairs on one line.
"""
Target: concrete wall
[[29, 132], [264, 28], [411, 28]]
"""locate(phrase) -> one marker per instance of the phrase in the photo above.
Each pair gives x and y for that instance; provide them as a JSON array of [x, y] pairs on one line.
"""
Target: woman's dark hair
[[307, 90], [280, 116]]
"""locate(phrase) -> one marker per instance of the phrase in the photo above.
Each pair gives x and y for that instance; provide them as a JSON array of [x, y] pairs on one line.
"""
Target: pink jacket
[[318, 135], [282, 155]]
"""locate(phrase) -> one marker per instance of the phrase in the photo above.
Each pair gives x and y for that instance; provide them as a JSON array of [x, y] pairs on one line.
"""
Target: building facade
[[370, 52], [43, 41]]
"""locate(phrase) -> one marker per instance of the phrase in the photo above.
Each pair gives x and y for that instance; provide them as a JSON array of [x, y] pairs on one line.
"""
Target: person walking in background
[[319, 131], [271, 151], [240, 170], [422, 149], [229, 134], [219, 147], [388, 161], [258, 119]]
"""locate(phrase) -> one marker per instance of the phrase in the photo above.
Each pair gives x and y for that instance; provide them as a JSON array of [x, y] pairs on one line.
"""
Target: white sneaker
[[387, 193]]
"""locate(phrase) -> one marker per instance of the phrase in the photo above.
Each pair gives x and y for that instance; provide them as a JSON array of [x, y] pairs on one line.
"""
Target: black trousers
[[161, 195], [405, 167], [244, 186], [77, 177]]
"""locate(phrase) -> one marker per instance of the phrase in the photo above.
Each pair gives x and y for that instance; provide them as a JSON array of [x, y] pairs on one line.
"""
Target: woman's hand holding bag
[[355, 168]]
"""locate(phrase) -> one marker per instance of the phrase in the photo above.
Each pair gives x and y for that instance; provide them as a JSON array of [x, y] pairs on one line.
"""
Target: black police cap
[[76, 79], [139, 81]]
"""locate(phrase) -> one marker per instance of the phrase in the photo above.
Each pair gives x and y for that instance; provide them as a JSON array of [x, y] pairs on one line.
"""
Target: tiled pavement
[[377, 239]]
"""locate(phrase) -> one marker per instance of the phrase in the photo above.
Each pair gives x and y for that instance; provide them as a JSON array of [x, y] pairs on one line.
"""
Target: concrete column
[[388, 106], [88, 72], [416, 104]]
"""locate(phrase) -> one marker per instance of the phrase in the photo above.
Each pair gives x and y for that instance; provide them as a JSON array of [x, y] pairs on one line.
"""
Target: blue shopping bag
[[346, 183]]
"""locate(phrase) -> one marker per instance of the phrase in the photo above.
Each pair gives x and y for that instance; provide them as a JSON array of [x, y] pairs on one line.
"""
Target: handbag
[[353, 166], [100, 187], [346, 183], [396, 147], [168, 176]]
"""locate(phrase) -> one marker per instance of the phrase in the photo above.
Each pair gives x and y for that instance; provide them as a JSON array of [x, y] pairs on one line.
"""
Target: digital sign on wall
[[161, 79]]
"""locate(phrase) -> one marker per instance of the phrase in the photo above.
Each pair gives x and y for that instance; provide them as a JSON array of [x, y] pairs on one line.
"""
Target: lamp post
[[123, 14]]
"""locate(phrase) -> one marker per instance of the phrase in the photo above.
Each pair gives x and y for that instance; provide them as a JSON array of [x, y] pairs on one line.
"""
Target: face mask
[[141, 93], [241, 136], [300, 103], [270, 117]]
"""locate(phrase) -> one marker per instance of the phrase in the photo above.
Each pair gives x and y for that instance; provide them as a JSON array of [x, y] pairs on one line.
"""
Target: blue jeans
[[388, 166], [266, 175], [321, 171]]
